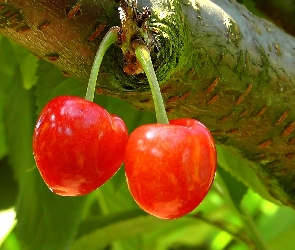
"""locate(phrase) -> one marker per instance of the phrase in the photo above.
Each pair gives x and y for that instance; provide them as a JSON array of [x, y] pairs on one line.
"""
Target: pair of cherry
[[78, 146]]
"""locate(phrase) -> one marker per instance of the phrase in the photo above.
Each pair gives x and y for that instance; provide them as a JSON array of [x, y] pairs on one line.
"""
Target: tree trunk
[[216, 62]]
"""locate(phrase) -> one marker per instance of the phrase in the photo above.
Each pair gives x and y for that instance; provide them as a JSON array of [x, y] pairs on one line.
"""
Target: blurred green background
[[237, 213]]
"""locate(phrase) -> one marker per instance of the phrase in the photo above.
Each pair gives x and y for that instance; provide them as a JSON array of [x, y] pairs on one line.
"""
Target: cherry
[[77, 145], [170, 167]]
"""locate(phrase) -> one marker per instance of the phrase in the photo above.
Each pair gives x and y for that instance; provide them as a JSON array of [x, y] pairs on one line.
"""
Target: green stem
[[110, 37], [143, 55], [251, 227]]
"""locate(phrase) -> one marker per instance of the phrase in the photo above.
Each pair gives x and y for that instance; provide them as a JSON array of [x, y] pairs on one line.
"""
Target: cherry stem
[[110, 37], [143, 55]]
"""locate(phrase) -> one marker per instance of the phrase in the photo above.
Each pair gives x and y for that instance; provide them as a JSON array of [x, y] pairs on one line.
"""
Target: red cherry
[[77, 145], [170, 167]]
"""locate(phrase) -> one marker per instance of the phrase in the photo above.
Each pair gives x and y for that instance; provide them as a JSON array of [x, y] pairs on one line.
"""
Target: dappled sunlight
[[7, 218]]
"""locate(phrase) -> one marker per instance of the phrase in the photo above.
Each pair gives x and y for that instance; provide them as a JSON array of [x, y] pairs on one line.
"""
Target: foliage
[[233, 215]]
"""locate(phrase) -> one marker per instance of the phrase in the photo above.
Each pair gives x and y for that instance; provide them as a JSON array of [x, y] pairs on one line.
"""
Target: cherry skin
[[77, 145], [170, 167]]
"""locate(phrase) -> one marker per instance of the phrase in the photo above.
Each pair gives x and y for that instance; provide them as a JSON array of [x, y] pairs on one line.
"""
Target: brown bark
[[217, 63]]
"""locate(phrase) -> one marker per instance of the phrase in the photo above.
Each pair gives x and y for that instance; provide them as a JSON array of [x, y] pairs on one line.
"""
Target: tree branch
[[217, 63]]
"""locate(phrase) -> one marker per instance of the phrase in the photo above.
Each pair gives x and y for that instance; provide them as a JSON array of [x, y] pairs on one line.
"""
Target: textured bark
[[216, 62]]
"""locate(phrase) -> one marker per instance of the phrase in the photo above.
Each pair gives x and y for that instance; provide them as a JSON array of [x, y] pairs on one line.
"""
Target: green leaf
[[279, 228], [3, 146], [284, 240], [236, 189], [115, 200], [19, 124], [241, 169], [12, 54], [119, 179], [91, 223], [28, 65], [27, 62], [45, 220], [8, 62], [7, 68], [191, 235], [8, 185], [52, 83], [123, 229]]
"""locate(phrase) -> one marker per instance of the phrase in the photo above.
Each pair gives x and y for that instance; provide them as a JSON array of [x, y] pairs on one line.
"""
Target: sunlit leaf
[[11, 243]]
